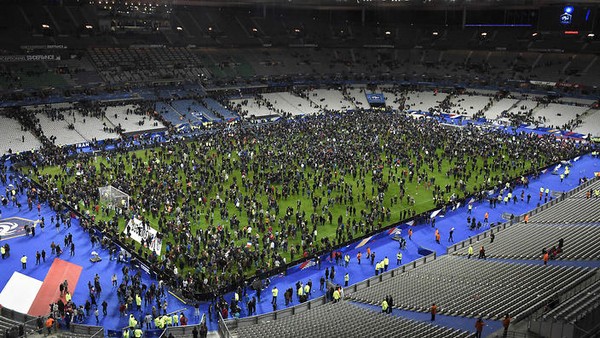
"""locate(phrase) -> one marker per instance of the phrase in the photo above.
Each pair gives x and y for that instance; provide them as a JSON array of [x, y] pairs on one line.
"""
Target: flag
[[249, 245], [307, 264], [363, 242]]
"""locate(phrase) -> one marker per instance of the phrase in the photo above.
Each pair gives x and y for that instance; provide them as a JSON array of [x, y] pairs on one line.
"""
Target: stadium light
[[45, 26], [591, 35], [534, 34], [569, 9], [179, 28], [435, 33], [484, 34], [254, 30], [388, 33], [89, 27]]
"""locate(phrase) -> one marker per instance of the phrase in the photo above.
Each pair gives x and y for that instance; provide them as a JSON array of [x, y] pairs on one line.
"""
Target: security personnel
[[399, 258], [138, 301], [175, 319], [377, 267], [157, 323], [336, 295], [168, 320], [137, 333], [132, 321], [24, 261], [470, 251], [307, 289], [347, 259], [126, 333], [275, 292], [384, 306], [386, 262], [300, 291], [346, 279]]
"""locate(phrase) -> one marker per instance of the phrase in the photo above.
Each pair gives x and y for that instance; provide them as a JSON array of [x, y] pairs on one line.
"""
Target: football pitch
[[271, 186]]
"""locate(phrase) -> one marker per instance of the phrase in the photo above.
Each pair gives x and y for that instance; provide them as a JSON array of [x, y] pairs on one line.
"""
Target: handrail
[[517, 220], [99, 330], [223, 329], [405, 268]]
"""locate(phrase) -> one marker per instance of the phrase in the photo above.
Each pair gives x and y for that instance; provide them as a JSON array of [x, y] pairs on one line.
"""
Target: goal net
[[113, 198]]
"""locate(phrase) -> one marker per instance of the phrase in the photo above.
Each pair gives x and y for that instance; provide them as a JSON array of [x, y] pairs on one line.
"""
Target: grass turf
[[423, 198]]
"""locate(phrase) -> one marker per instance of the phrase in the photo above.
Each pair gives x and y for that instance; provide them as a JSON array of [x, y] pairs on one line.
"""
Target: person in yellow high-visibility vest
[[138, 301], [399, 258], [384, 306], [307, 289], [346, 279], [137, 333], [126, 333], [175, 319], [132, 321], [24, 262], [157, 323], [275, 292], [336, 296], [470, 251]]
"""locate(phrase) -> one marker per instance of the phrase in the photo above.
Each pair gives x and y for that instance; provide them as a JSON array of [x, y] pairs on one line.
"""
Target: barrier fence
[[226, 325]]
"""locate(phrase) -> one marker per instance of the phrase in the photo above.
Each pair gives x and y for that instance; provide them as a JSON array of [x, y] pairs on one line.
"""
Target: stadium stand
[[282, 61], [456, 284], [14, 138], [345, 319]]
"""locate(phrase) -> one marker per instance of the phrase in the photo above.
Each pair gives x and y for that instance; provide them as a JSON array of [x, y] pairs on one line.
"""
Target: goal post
[[113, 198]]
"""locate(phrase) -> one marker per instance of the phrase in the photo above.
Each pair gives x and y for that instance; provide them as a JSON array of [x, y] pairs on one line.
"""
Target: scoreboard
[[568, 18]]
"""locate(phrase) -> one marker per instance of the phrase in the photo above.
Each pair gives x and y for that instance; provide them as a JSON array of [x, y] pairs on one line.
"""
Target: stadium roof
[[430, 4]]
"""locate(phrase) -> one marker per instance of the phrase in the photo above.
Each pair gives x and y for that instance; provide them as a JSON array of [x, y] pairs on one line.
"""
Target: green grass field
[[423, 198]]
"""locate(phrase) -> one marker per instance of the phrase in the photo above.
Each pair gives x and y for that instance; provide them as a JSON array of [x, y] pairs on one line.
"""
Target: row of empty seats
[[571, 210], [14, 138], [345, 319], [473, 287], [578, 305], [526, 241]]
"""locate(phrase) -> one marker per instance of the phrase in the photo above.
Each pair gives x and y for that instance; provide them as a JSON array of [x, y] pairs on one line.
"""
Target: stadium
[[300, 168]]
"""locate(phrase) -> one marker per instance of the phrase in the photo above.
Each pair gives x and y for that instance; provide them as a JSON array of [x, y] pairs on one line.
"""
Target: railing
[[223, 329], [230, 324], [510, 334], [24, 320], [92, 331], [97, 334], [518, 218]]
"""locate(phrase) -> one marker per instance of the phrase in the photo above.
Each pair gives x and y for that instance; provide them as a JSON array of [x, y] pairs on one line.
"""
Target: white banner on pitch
[[138, 232]]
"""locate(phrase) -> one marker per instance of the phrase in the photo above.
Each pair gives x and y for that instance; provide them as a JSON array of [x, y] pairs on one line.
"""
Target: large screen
[[567, 17]]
